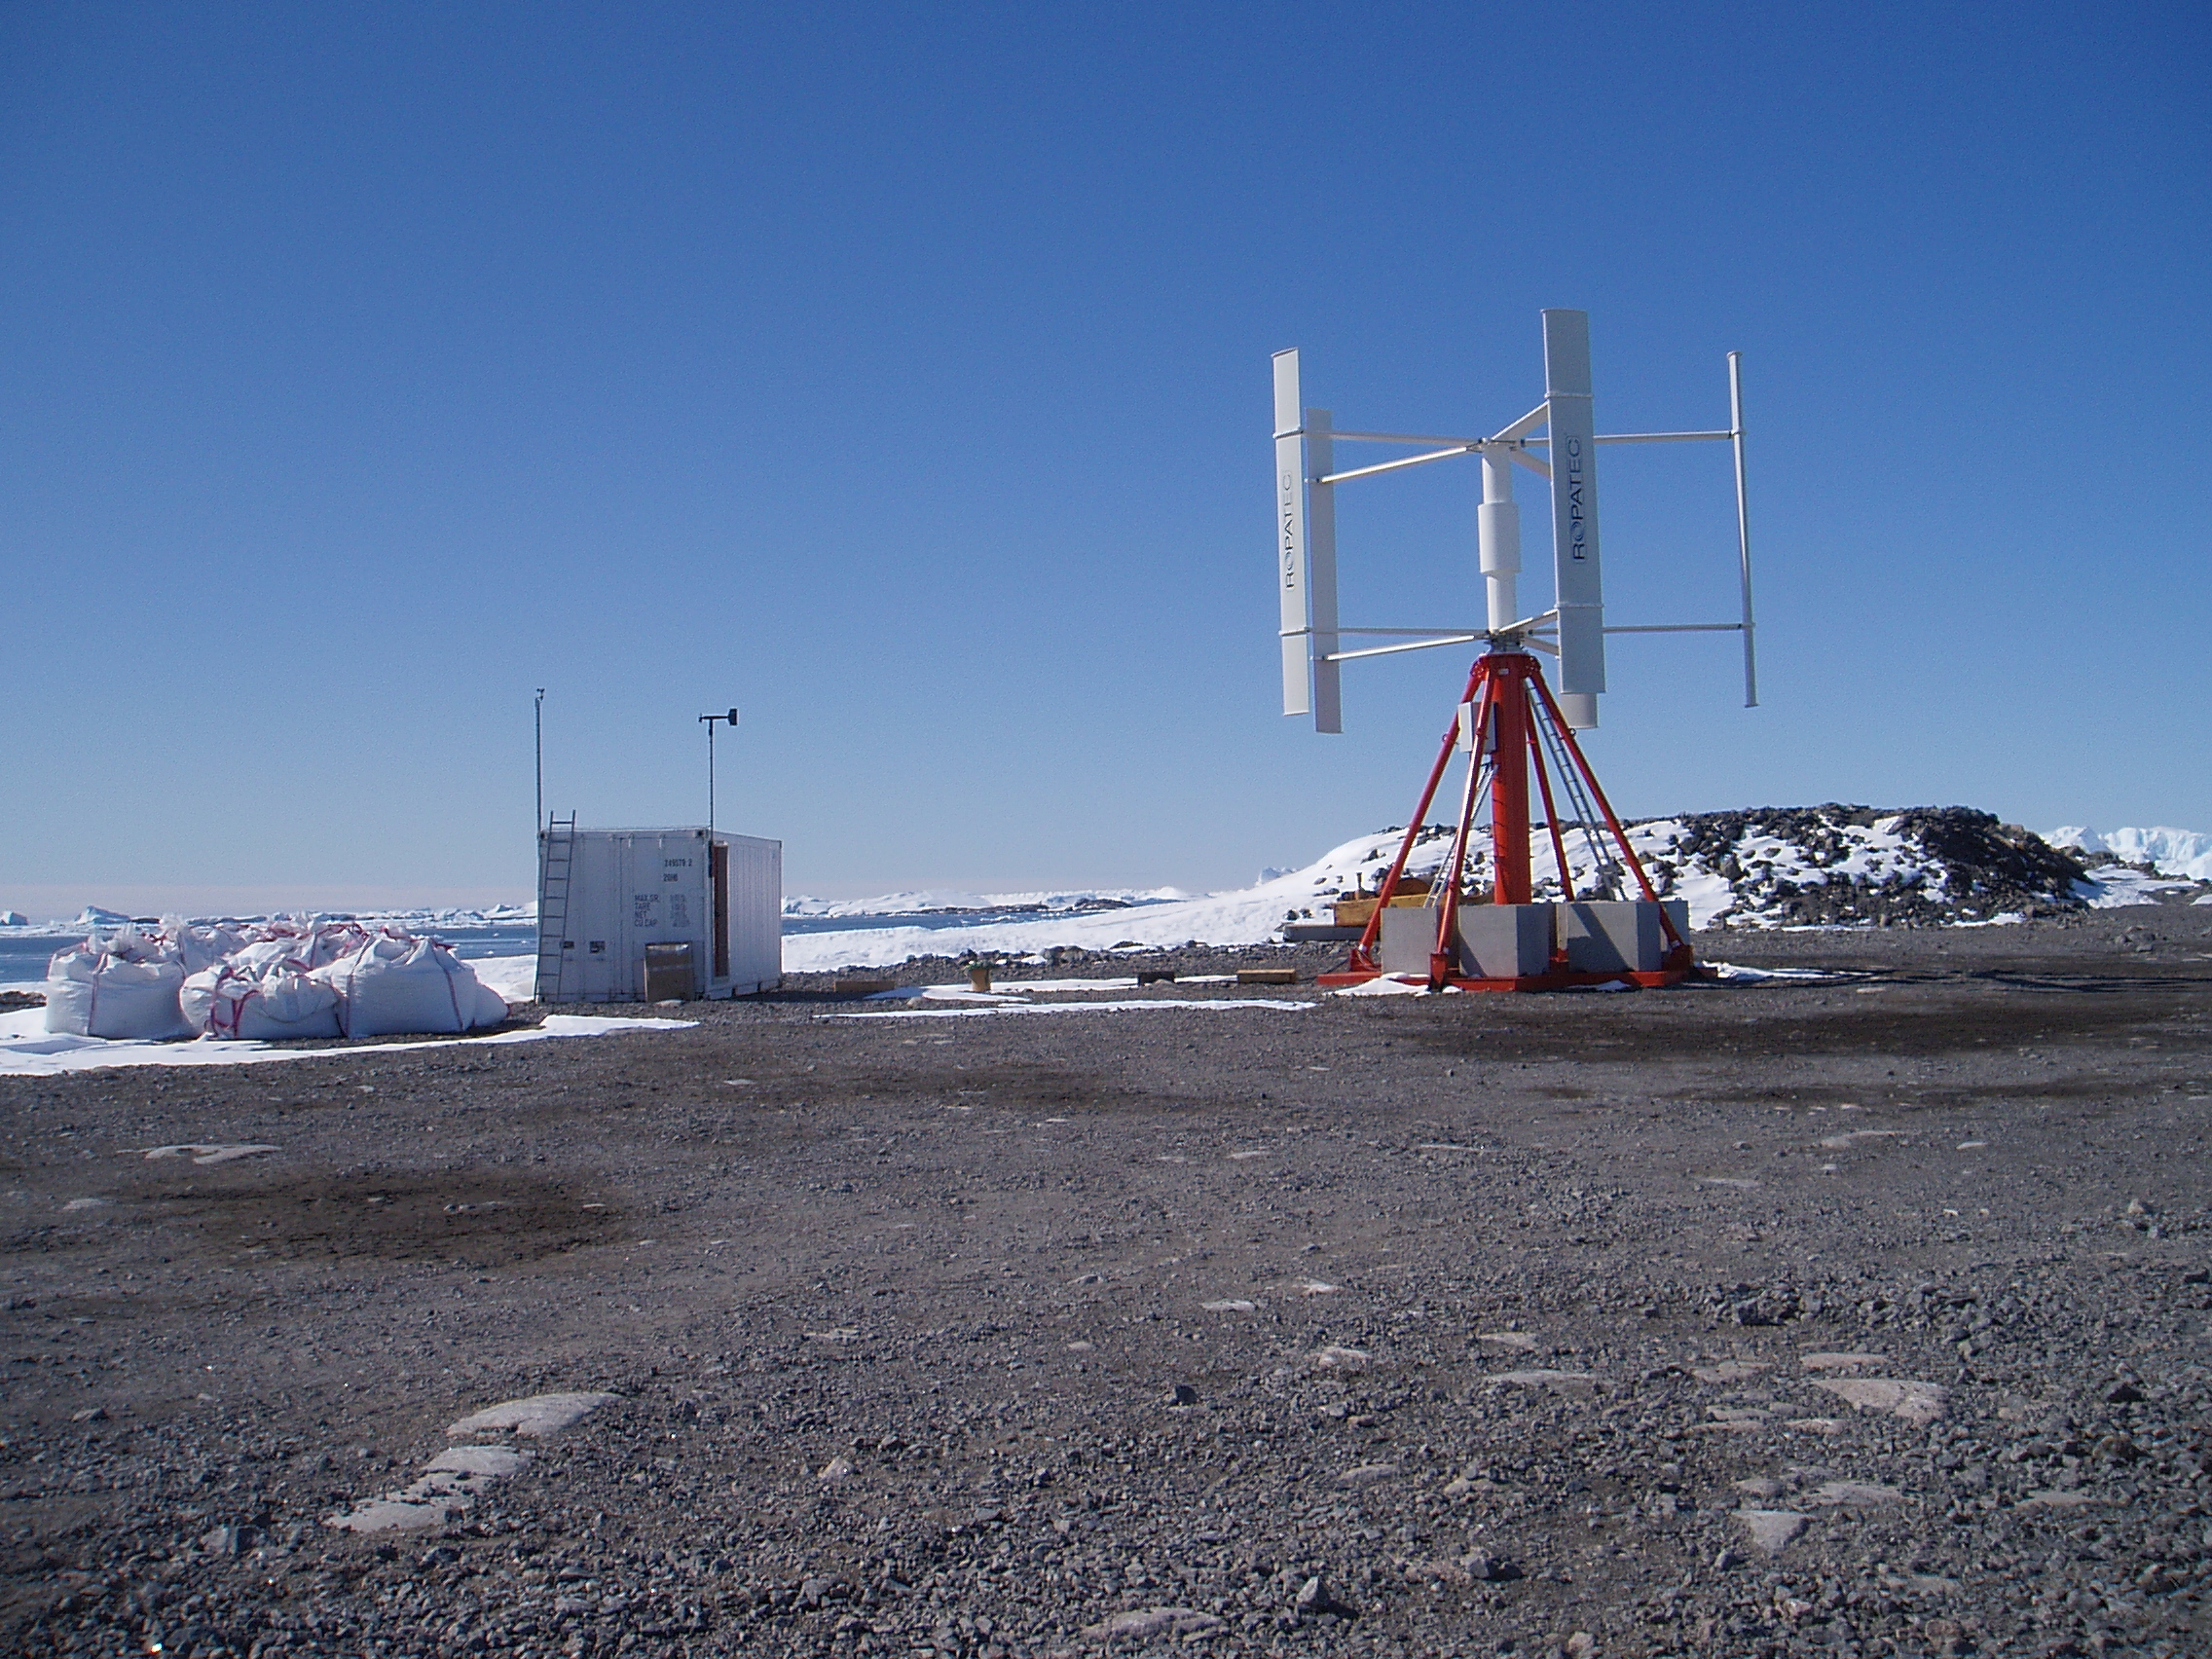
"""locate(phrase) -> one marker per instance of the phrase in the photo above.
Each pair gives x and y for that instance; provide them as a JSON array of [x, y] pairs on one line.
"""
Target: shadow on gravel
[[483, 1219], [2093, 983], [1680, 1026]]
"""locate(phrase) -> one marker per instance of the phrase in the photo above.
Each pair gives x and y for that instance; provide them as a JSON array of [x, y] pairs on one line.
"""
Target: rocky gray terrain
[[1853, 1314]]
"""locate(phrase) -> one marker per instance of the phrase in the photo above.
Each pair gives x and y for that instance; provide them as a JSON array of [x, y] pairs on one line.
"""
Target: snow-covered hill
[[1773, 867], [2168, 852]]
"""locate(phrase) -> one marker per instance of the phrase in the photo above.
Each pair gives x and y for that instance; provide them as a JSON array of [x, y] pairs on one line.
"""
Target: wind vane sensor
[[1508, 720]]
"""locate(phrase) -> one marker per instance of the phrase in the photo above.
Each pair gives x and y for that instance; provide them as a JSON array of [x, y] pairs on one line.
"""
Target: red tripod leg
[[1363, 954]]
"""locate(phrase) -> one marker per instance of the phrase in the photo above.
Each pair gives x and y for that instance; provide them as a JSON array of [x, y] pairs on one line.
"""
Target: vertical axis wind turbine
[[1508, 717]]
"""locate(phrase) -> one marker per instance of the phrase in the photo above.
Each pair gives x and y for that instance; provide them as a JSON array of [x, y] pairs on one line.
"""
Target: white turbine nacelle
[[1575, 628]]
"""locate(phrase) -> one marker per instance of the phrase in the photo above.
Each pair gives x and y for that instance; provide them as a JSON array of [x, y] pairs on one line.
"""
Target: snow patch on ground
[[28, 1049], [1283, 1003], [514, 978]]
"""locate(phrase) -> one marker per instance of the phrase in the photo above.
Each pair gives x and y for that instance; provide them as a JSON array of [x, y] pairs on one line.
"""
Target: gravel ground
[[1861, 1316]]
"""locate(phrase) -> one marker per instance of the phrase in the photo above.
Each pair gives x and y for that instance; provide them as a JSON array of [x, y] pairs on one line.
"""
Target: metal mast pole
[[712, 722], [1509, 778], [541, 720], [1743, 523]]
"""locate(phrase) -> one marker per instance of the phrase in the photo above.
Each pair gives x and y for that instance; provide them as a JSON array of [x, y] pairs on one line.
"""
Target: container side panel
[[757, 905]]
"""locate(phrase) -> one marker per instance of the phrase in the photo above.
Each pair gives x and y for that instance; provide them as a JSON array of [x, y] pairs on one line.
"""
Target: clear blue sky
[[901, 376]]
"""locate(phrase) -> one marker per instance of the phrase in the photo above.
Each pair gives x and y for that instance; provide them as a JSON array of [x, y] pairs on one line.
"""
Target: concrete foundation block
[[1496, 942], [1605, 936]]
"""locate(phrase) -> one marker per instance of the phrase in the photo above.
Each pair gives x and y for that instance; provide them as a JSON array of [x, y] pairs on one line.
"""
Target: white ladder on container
[[553, 904]]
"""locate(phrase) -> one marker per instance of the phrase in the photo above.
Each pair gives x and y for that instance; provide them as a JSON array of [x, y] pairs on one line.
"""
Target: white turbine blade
[[1290, 538], [1321, 576], [1574, 508]]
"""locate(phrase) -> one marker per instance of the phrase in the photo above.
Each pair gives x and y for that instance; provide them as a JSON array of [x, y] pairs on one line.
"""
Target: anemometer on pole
[[1508, 719], [711, 722]]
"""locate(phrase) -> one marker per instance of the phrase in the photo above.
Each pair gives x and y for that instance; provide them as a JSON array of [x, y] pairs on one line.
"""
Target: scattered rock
[[1367, 1475], [399, 1514], [1564, 1382], [1336, 1358], [1854, 1494], [2061, 1497], [485, 1463], [211, 1153], [1919, 1403], [1840, 1361], [1151, 1624], [540, 1414], [1772, 1529], [1315, 1601], [1488, 1568], [1730, 1371], [448, 1488]]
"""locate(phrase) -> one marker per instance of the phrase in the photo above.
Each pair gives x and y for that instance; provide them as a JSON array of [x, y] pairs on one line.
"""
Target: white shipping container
[[627, 889]]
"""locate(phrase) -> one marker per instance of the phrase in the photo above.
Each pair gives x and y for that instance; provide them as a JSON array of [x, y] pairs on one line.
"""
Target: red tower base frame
[[1507, 693]]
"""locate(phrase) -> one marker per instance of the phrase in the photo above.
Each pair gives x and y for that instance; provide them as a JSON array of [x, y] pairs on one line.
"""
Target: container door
[[595, 917]]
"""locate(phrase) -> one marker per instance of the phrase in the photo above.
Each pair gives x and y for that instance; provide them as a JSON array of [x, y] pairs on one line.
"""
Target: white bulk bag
[[90, 993], [395, 985], [321, 943], [224, 1002], [202, 947], [266, 955]]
